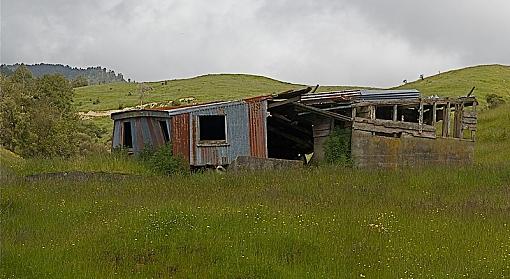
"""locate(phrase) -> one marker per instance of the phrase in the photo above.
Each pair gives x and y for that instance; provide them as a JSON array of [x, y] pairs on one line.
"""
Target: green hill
[[494, 124], [203, 88], [488, 79]]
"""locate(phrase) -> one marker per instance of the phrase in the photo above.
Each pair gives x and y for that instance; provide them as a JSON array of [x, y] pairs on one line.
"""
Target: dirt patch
[[79, 176]]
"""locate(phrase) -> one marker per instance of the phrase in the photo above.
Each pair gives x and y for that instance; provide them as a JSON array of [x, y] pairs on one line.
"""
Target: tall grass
[[320, 222], [493, 136], [107, 162]]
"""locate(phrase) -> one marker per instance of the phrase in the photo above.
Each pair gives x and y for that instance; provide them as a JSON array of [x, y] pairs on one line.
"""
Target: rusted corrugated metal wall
[[145, 131], [257, 120], [180, 135]]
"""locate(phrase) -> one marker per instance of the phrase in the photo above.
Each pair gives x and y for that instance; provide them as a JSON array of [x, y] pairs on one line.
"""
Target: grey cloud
[[330, 42]]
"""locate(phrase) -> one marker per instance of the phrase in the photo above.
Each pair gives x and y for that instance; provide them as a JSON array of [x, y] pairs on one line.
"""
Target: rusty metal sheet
[[180, 136], [155, 133], [257, 123]]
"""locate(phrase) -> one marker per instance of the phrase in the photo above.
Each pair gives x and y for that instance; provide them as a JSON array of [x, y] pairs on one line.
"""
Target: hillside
[[203, 88], [487, 79], [94, 75]]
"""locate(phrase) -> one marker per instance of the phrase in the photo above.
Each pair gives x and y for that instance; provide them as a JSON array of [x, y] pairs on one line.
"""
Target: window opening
[[212, 128]]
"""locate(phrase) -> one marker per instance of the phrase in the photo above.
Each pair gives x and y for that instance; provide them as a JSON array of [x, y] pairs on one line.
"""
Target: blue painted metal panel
[[237, 141]]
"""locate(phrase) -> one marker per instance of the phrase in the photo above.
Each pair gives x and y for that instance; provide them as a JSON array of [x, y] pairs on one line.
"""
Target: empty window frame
[[212, 128], [384, 112], [127, 139], [164, 130]]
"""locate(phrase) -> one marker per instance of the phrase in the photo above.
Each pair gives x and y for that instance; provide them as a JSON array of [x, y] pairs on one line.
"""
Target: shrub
[[161, 160], [494, 100], [337, 148]]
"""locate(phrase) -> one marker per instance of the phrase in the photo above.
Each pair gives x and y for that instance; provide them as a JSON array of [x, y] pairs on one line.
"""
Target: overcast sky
[[330, 42]]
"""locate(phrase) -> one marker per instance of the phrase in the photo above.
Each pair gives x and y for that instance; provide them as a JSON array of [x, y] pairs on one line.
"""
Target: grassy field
[[203, 88], [321, 222], [493, 136]]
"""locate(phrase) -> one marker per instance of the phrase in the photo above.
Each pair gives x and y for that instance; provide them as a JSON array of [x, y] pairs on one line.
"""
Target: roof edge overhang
[[139, 113]]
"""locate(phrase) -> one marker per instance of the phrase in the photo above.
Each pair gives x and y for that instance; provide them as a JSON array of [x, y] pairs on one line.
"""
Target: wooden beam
[[446, 121], [390, 127], [457, 125], [410, 102], [395, 113], [322, 112], [371, 112], [420, 117], [276, 103], [434, 114]]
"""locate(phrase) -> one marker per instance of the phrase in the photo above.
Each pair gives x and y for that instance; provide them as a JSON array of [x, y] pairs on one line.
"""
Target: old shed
[[205, 135], [385, 128]]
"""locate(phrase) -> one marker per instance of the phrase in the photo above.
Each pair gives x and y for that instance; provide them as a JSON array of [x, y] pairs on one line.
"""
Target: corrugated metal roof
[[400, 94], [364, 95]]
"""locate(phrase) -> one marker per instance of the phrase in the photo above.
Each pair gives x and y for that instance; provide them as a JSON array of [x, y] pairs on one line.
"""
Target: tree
[[494, 100], [37, 117], [79, 81]]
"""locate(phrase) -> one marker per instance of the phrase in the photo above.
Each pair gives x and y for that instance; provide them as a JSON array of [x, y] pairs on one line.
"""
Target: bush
[[161, 160], [337, 148], [494, 100]]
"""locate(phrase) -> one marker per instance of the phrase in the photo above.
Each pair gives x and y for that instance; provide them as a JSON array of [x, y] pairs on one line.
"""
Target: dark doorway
[[164, 130], [127, 141]]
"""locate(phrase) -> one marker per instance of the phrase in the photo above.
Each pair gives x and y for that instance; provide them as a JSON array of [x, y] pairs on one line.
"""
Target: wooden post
[[353, 113], [372, 112], [434, 112], [459, 112], [395, 113], [420, 119], [446, 120]]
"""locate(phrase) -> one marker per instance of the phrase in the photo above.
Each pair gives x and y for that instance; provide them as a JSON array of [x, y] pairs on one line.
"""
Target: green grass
[[488, 79], [322, 222], [493, 136], [9, 162], [109, 163], [205, 88]]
